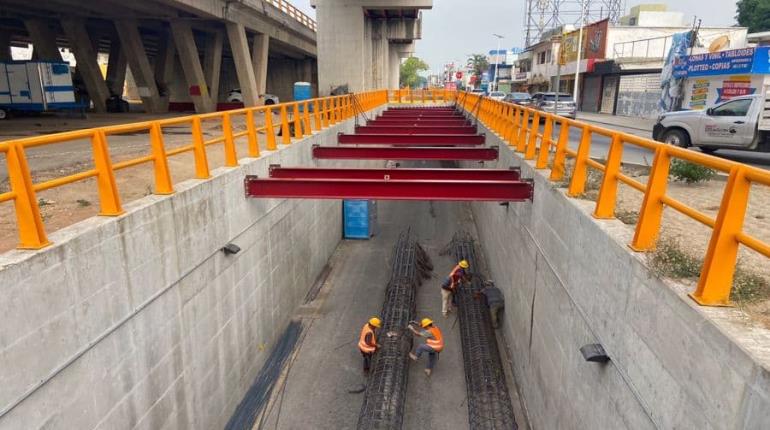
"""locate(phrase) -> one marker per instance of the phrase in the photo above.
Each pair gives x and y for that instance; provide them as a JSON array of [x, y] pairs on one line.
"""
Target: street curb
[[615, 124]]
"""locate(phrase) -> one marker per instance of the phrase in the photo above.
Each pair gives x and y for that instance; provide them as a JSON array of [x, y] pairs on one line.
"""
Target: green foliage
[[749, 287], [754, 14], [410, 70], [479, 64], [669, 259], [690, 172]]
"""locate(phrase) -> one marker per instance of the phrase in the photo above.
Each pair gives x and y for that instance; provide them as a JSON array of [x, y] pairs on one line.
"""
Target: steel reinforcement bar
[[489, 403], [385, 395]]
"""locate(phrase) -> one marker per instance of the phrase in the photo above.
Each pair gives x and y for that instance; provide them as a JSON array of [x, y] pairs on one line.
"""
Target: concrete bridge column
[[131, 41], [341, 46], [116, 67], [259, 62], [5, 46], [43, 40], [394, 66], [83, 48], [191, 65], [212, 64], [239, 46], [165, 63], [380, 56]]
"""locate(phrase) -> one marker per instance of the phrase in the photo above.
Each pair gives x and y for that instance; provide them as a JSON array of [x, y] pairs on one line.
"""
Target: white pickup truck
[[739, 123]]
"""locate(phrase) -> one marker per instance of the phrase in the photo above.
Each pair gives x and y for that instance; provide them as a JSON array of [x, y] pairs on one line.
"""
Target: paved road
[[635, 155]]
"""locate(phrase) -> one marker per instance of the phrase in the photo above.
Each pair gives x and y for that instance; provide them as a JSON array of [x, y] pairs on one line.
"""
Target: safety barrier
[[513, 124], [324, 111], [293, 12], [437, 95]]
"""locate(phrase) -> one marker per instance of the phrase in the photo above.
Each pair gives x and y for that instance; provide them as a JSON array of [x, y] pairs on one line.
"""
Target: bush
[[748, 287], [690, 172], [670, 260]]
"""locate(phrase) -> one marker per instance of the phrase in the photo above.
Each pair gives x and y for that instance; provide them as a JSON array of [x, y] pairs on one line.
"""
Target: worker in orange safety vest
[[448, 288], [434, 343], [367, 342]]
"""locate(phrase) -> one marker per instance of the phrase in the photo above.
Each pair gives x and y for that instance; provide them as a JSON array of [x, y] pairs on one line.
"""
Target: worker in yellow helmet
[[367, 342], [434, 342], [459, 274]]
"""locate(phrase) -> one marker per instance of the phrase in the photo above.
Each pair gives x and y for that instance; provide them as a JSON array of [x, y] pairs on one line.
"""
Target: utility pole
[[576, 91], [497, 57], [559, 59]]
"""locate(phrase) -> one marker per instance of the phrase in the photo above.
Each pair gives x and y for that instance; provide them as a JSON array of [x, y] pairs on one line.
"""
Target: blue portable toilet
[[303, 91], [359, 218]]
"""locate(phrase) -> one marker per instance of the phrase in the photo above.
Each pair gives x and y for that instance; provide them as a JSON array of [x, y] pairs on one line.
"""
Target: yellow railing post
[[251, 132], [513, 130], [648, 226], [306, 114], [605, 203], [325, 116], [269, 130], [532, 144], [30, 223], [716, 279], [521, 142], [231, 159], [109, 199], [317, 115], [545, 143], [297, 122], [333, 110], [399, 95], [560, 157], [285, 132], [577, 183], [163, 183], [199, 151]]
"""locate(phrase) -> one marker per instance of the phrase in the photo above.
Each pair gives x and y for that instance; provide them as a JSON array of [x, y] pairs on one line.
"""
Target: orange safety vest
[[454, 277], [362, 345], [437, 343]]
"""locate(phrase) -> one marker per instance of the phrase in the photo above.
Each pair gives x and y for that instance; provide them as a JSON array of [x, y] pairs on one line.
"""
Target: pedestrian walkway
[[634, 123]]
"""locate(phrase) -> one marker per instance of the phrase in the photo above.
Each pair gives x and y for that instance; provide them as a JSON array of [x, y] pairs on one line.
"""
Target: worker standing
[[434, 343], [448, 288], [367, 342], [494, 300]]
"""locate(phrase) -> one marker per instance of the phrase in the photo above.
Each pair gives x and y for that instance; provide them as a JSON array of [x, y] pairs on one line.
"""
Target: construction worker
[[494, 300], [434, 343], [367, 342], [448, 288]]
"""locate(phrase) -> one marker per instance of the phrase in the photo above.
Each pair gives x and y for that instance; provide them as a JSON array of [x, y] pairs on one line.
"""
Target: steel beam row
[[412, 139], [512, 174], [416, 122], [386, 129], [397, 153]]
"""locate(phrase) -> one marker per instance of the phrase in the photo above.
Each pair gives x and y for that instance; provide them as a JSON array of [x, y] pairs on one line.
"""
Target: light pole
[[497, 57], [579, 48]]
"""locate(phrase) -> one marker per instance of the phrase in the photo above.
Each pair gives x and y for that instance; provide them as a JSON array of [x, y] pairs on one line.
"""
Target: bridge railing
[[434, 95], [296, 119], [521, 128], [289, 9]]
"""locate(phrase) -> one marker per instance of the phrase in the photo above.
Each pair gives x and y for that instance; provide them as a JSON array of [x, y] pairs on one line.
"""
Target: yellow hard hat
[[426, 322], [464, 264], [374, 321]]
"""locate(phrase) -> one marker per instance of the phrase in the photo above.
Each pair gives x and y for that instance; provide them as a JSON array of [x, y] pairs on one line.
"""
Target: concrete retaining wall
[[141, 321], [570, 280]]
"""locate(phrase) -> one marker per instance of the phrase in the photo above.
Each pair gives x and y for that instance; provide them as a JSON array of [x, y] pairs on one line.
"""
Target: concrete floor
[[328, 363]]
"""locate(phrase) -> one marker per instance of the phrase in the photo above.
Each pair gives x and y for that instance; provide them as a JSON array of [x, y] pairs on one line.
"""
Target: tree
[[754, 14], [410, 70], [478, 64]]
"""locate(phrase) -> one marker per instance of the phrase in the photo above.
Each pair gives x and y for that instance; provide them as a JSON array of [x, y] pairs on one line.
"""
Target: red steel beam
[[412, 139], [415, 123], [513, 174], [401, 153], [500, 191], [385, 129], [422, 115]]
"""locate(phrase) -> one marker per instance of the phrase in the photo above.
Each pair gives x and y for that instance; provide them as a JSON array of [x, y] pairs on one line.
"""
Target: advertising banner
[[734, 61], [594, 42], [706, 91]]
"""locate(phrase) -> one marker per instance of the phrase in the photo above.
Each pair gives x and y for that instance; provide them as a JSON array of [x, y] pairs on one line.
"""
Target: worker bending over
[[448, 288], [434, 343], [494, 300], [367, 342]]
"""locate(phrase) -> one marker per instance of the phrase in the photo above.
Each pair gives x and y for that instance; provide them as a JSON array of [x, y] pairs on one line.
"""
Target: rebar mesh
[[385, 395], [489, 403]]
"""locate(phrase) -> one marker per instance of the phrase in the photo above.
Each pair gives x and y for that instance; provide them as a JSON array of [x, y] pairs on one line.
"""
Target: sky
[[453, 29]]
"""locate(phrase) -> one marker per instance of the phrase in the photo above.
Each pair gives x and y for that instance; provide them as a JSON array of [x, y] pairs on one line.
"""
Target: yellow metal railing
[[438, 95], [520, 128], [325, 111]]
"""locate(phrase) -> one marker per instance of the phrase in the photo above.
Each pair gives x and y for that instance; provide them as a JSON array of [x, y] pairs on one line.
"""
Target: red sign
[[459, 75]]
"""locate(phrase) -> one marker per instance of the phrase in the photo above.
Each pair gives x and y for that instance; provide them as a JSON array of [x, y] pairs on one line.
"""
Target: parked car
[[235, 96], [522, 99], [547, 102], [734, 124], [497, 95], [478, 91]]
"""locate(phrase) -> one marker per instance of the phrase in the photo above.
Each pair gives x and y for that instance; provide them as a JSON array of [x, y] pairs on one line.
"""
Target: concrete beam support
[[165, 63], [307, 70], [141, 70], [191, 65], [5, 46], [380, 56], [341, 46], [212, 64], [83, 48], [43, 40], [394, 66], [259, 62], [117, 64], [239, 46]]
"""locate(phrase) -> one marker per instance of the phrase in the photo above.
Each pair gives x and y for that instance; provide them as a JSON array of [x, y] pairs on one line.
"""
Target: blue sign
[[732, 62]]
